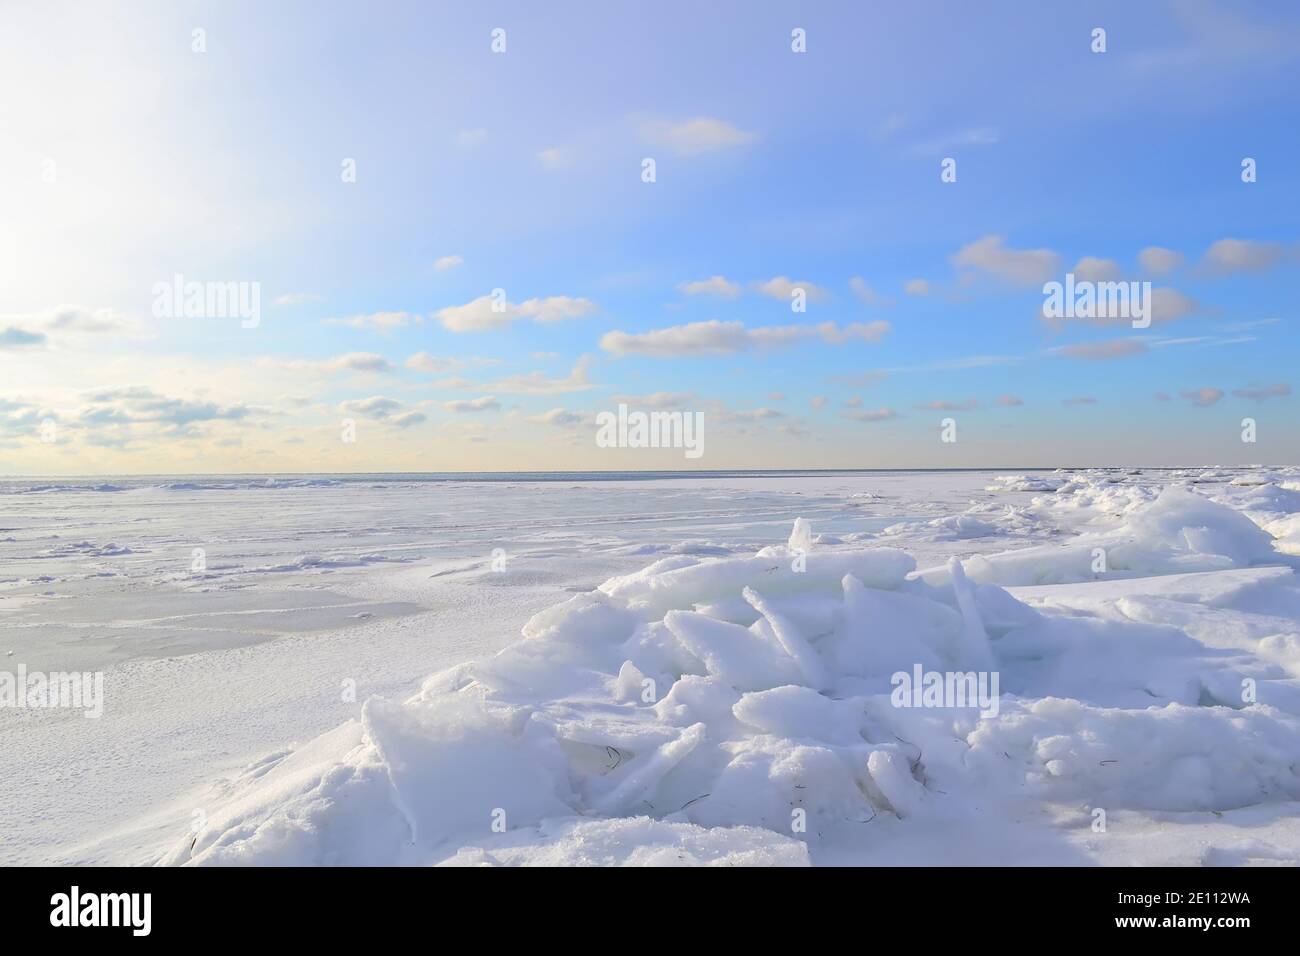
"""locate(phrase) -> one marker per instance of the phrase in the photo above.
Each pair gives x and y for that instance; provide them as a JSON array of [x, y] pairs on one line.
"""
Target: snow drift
[[740, 710]]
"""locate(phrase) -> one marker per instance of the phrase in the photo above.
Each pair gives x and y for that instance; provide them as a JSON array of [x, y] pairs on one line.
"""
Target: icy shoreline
[[737, 709]]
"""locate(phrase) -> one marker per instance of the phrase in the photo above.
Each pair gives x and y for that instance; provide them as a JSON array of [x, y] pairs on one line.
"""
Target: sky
[[470, 229]]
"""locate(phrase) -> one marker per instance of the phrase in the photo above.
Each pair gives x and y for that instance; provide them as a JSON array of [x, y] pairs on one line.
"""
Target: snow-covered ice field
[[372, 670]]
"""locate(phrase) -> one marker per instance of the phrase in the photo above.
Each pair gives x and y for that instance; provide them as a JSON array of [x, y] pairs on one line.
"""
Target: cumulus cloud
[[380, 408], [1232, 256], [991, 256], [695, 136], [866, 294], [780, 287], [1092, 269], [135, 405], [443, 263], [64, 325], [714, 285], [487, 403], [488, 312], [539, 383], [424, 362], [916, 287], [559, 417], [1158, 261], [724, 338]]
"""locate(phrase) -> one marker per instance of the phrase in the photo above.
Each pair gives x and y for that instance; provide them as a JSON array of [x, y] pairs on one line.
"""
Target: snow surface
[[703, 676]]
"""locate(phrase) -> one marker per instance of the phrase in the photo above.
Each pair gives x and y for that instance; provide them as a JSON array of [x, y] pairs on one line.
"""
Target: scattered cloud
[[1259, 394], [466, 405], [380, 408], [424, 362], [724, 338], [1234, 256], [489, 312], [1158, 261], [1079, 400], [916, 287], [1010, 401], [378, 321], [559, 417], [866, 294], [538, 383], [656, 399], [779, 287], [443, 263], [1092, 269], [876, 415], [991, 256], [714, 285], [695, 136], [1203, 397]]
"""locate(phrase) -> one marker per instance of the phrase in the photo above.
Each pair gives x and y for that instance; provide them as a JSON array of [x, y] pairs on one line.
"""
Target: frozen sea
[[367, 668]]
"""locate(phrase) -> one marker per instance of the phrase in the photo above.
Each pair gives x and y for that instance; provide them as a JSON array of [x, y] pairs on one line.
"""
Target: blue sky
[[130, 157]]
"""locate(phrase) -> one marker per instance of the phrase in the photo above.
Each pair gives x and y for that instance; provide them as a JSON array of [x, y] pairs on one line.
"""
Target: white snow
[[730, 704]]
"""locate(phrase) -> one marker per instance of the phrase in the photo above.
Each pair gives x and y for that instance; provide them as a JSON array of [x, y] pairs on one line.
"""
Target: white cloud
[[916, 287], [866, 294], [656, 399], [1093, 269], [1229, 256], [424, 362], [559, 417], [714, 285], [481, 316], [380, 408], [1158, 261], [349, 362], [779, 287], [443, 263], [724, 338], [1019, 266], [695, 136], [537, 383], [467, 405], [378, 321]]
